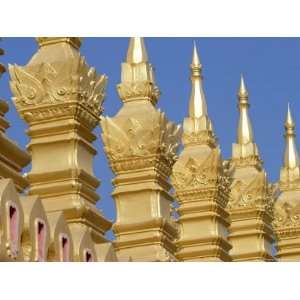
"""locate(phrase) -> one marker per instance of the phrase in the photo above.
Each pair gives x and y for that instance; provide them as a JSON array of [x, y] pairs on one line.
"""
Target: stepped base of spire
[[212, 249], [150, 240], [288, 245], [251, 235]]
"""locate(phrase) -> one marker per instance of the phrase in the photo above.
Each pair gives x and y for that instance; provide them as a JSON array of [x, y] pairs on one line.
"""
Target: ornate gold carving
[[193, 174], [287, 216], [205, 137], [131, 143], [250, 160], [140, 90], [57, 83], [256, 194]]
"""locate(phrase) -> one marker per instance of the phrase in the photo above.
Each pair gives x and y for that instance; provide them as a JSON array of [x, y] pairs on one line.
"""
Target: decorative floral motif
[[257, 193], [59, 82], [286, 216], [135, 139], [193, 175], [131, 91]]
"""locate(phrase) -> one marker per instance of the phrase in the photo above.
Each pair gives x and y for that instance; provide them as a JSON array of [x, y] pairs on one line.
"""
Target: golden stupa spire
[[197, 107], [245, 133], [291, 157], [136, 51]]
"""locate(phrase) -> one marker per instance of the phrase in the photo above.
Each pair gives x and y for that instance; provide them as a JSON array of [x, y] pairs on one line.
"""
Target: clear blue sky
[[271, 68]]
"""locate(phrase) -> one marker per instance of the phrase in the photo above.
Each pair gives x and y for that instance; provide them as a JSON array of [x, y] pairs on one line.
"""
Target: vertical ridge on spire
[[245, 132], [291, 156], [197, 106], [137, 51]]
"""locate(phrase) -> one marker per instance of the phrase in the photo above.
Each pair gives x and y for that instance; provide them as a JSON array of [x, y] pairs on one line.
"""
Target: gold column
[[287, 206], [140, 144], [251, 196], [12, 158], [60, 97], [201, 183]]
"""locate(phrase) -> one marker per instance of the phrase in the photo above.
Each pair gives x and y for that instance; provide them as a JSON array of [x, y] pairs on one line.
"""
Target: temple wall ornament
[[201, 183], [60, 97], [141, 146], [251, 197], [287, 205], [61, 242], [36, 233], [11, 222], [83, 245]]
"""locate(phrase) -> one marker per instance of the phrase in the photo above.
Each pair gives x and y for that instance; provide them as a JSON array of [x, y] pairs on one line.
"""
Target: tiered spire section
[[201, 183], [198, 120], [251, 196], [287, 206], [141, 145], [60, 97]]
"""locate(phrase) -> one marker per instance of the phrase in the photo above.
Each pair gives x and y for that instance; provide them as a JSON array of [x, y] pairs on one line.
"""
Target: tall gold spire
[[287, 206], [133, 139], [245, 133], [291, 156], [137, 51], [197, 107]]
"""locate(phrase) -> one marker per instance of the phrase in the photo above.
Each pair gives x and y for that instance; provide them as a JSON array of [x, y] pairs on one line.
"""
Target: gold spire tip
[[195, 60], [289, 119], [137, 51], [243, 90]]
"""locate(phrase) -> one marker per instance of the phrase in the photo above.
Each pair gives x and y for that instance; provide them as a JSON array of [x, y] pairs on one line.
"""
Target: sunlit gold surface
[[251, 196], [226, 207], [287, 206], [200, 183], [141, 144]]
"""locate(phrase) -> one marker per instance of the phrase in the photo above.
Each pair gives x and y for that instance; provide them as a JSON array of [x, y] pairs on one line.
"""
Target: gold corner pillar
[[200, 183], [287, 205], [251, 196], [60, 97], [140, 144]]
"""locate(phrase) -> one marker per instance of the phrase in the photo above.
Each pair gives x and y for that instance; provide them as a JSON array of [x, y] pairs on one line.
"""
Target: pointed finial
[[245, 133], [197, 106], [289, 122], [291, 157], [243, 90], [137, 51], [195, 60]]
